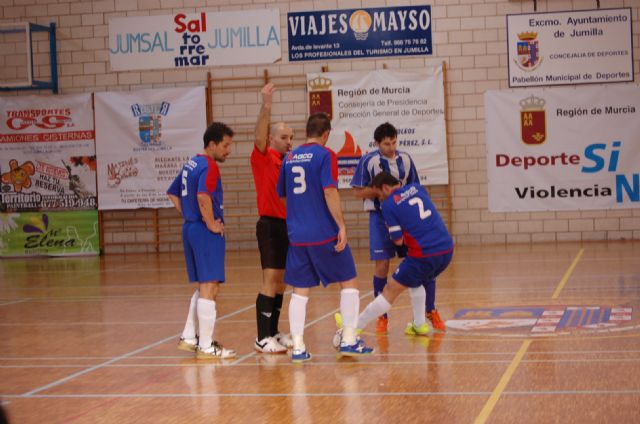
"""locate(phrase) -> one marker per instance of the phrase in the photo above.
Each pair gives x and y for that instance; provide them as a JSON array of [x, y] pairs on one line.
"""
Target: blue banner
[[354, 33]]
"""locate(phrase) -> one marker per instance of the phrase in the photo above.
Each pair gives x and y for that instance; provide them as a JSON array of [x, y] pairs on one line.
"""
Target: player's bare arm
[[262, 125], [332, 197], [176, 202], [364, 193], [206, 210]]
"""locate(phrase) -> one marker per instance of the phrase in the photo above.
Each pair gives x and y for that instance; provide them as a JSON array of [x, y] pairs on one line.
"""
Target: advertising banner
[[47, 153], [142, 140], [577, 47], [357, 102], [186, 40], [49, 233], [563, 148], [355, 33]]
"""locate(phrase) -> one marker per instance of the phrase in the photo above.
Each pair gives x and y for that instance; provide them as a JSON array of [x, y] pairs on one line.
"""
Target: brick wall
[[469, 35]]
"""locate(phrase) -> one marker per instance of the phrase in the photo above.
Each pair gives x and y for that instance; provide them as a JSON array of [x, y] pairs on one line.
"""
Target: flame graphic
[[349, 149]]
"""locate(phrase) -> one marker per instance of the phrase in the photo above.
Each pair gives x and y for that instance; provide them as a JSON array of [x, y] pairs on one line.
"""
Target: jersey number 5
[[301, 184], [418, 201]]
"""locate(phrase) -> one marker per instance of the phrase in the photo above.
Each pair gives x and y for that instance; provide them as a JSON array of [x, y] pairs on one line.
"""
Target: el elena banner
[[563, 148], [142, 140], [49, 233], [47, 153], [357, 102]]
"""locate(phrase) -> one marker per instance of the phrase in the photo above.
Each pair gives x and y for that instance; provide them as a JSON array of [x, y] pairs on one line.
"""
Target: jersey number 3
[[418, 201], [301, 184]]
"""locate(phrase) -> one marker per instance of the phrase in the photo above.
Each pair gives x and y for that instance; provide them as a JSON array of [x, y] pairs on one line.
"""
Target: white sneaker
[[188, 345], [215, 351], [284, 339], [269, 345]]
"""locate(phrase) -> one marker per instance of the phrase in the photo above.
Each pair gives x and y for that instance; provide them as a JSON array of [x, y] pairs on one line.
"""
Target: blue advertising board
[[356, 33]]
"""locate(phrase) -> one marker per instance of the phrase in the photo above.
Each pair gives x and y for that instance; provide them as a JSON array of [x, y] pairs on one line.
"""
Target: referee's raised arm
[[262, 125]]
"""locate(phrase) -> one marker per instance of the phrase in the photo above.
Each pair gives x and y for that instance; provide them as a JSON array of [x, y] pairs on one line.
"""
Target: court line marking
[[567, 274], [118, 358], [14, 302]]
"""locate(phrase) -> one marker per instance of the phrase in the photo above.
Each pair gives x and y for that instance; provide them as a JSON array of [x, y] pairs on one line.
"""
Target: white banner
[[142, 140], [195, 40], [47, 153], [578, 47], [563, 148], [357, 102]]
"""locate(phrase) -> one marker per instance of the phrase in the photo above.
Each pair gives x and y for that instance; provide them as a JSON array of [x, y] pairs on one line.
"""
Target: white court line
[[13, 302], [126, 355]]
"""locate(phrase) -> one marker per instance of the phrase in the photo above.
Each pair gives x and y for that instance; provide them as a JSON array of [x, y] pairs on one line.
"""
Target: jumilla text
[[598, 158]]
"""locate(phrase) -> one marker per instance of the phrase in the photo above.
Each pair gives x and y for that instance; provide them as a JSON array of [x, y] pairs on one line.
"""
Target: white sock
[[190, 327], [206, 321], [349, 308], [418, 295], [377, 307], [297, 316]]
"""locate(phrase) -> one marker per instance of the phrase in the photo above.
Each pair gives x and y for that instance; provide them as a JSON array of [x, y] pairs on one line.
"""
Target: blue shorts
[[380, 245], [412, 272], [308, 265], [203, 252]]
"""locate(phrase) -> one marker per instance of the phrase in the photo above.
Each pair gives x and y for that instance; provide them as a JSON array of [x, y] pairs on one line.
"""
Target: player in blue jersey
[[381, 249], [318, 249], [412, 219], [197, 194]]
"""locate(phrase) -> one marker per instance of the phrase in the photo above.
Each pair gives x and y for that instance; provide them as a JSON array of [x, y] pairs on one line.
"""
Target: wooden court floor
[[537, 334]]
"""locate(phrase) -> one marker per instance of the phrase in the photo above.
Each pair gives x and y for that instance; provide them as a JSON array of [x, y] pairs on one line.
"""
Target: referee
[[271, 144]]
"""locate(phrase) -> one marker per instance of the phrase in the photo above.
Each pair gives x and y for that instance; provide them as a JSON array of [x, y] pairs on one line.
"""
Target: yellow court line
[[488, 407], [567, 274]]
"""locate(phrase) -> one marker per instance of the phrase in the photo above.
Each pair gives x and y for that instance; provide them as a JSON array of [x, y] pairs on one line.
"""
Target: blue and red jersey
[[199, 175], [410, 213], [306, 172]]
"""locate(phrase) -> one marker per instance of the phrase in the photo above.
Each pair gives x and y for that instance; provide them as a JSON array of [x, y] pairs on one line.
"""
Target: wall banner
[[142, 140], [355, 33], [187, 40], [357, 102], [563, 148], [577, 47], [49, 233], [47, 153]]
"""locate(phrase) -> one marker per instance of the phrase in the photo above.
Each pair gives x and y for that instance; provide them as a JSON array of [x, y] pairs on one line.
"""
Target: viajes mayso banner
[[187, 40], [49, 233], [47, 153], [563, 148], [142, 140], [358, 33], [357, 102], [577, 47]]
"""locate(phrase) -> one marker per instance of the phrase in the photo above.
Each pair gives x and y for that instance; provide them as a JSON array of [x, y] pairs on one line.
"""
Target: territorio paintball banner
[[49, 233], [47, 153], [357, 102], [142, 140], [563, 148]]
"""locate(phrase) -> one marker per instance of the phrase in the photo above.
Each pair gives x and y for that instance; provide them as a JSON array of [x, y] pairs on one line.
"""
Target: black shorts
[[273, 242]]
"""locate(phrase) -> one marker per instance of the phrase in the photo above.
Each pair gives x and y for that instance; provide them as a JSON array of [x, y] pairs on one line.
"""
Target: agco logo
[[45, 122]]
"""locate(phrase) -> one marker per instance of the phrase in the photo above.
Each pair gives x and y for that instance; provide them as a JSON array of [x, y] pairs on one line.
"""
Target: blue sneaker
[[299, 355], [357, 349]]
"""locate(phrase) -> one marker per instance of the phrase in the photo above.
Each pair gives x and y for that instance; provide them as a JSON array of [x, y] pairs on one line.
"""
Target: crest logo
[[533, 120], [528, 51], [320, 98], [360, 23], [150, 121]]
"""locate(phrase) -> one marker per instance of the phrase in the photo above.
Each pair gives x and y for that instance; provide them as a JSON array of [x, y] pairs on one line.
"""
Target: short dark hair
[[383, 131], [216, 133], [384, 178], [317, 124]]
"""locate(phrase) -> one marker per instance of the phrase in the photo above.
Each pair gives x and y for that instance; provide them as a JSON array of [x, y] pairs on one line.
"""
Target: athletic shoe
[[337, 339], [188, 345], [381, 325], [269, 345], [215, 351], [284, 339], [414, 330], [356, 349], [300, 355], [436, 321]]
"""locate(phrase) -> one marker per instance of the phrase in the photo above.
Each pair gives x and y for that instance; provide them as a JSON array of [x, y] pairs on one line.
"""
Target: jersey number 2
[[418, 201], [301, 184]]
